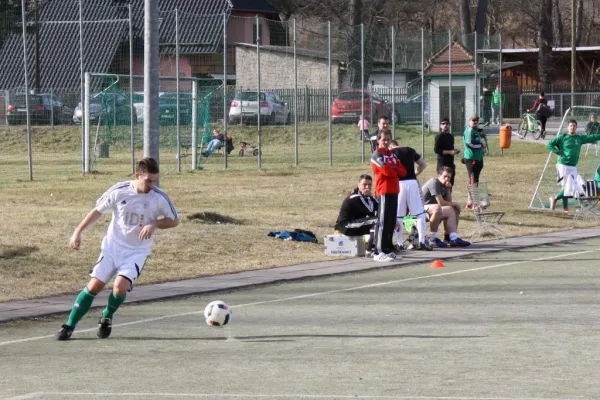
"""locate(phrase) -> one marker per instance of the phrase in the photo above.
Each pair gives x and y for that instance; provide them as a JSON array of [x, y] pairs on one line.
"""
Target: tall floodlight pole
[[131, 109], [151, 80], [329, 91], [82, 84], [29, 154]]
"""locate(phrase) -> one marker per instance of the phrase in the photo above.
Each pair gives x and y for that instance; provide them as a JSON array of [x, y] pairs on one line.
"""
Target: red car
[[347, 106]]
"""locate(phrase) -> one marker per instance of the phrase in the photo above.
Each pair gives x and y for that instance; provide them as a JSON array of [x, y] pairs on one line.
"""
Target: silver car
[[245, 107]]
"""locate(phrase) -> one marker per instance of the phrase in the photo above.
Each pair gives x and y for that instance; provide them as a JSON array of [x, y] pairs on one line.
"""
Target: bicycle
[[530, 124]]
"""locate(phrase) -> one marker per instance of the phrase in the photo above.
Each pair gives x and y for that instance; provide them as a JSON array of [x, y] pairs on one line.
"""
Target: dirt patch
[[16, 251], [213, 218]]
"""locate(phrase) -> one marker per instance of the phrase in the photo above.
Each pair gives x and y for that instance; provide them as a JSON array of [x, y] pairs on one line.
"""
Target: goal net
[[589, 159]]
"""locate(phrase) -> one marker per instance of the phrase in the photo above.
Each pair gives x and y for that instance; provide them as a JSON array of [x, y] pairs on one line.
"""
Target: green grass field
[[39, 216]]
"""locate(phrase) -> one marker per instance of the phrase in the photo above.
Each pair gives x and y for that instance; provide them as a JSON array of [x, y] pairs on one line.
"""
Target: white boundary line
[[304, 296], [271, 396]]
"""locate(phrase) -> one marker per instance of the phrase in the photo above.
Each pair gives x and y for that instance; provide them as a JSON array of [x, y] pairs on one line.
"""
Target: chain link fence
[[279, 92]]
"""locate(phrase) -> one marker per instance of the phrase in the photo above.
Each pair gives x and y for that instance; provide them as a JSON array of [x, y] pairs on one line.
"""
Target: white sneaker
[[395, 255], [382, 257]]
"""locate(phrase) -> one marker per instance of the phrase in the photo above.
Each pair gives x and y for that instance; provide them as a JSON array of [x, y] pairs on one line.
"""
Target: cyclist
[[540, 107]]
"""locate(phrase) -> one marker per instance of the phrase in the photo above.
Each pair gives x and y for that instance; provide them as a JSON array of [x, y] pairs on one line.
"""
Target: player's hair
[[384, 118], [445, 169], [365, 176], [382, 132], [572, 121], [147, 165]]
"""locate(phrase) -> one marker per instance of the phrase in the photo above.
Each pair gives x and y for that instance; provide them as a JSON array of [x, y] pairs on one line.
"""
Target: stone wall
[[277, 70]]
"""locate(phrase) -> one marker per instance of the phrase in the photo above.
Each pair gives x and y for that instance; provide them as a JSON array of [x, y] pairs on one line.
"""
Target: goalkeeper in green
[[568, 147]]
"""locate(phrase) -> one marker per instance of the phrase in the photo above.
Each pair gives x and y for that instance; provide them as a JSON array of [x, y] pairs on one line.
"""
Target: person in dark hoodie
[[357, 215]]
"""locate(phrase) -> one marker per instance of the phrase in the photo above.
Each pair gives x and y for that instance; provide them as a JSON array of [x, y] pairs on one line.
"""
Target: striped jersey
[[131, 211]]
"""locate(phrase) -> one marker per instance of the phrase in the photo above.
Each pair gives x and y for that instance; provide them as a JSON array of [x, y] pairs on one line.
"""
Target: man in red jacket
[[387, 170]]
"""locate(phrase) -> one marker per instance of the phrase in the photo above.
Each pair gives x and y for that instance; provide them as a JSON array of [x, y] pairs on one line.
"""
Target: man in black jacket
[[357, 214], [444, 148]]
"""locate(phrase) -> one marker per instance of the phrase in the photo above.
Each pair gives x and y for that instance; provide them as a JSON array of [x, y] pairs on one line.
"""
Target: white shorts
[[116, 260], [410, 201], [567, 178]]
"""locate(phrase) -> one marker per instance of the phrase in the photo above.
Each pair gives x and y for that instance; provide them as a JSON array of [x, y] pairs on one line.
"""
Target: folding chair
[[588, 202], [487, 221]]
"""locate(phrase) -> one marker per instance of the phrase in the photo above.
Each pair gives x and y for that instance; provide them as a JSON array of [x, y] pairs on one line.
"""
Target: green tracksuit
[[568, 147]]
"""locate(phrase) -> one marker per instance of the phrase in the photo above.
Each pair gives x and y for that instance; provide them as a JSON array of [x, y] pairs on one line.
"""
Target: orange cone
[[437, 264]]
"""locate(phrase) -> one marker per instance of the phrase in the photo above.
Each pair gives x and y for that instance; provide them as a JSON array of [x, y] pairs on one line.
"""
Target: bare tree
[[465, 17], [545, 65], [579, 22], [557, 23]]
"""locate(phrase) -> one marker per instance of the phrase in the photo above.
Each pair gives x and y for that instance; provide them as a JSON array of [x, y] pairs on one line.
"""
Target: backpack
[[544, 111], [298, 235]]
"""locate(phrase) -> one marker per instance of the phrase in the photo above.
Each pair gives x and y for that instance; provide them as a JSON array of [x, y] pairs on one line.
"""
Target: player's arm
[[554, 145], [420, 166], [89, 219], [591, 138], [166, 223]]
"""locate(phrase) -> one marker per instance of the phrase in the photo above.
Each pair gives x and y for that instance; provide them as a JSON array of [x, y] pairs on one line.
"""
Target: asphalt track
[[519, 323]]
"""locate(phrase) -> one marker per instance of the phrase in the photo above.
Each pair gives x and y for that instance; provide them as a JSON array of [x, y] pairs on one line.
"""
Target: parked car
[[245, 107], [109, 107], [167, 108], [409, 111], [43, 108], [347, 106]]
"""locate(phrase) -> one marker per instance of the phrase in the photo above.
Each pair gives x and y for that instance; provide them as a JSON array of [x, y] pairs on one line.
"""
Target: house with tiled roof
[[464, 91], [53, 45]]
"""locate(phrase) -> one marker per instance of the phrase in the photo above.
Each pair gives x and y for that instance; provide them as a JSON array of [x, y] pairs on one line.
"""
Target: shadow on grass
[[16, 251], [213, 218]]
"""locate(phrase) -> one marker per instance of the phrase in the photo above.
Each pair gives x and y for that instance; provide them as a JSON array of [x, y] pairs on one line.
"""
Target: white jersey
[[132, 211]]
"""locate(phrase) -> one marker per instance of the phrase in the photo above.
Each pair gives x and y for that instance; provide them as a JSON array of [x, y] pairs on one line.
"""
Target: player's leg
[[435, 218], [102, 272], [401, 212], [451, 216], [127, 273], [415, 205]]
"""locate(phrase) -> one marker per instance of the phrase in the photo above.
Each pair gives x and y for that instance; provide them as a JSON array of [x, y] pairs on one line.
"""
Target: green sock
[[560, 195], [81, 307], [565, 202], [114, 303]]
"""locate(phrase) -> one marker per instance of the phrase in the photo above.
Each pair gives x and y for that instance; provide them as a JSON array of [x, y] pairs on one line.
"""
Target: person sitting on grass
[[568, 148], [437, 196], [357, 215], [217, 142]]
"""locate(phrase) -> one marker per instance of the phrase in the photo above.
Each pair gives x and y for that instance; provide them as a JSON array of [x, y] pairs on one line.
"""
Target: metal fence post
[[178, 104], [329, 92], [449, 82], [81, 78], [225, 121], [393, 83], [476, 99], [296, 144], [362, 84], [29, 151], [194, 125], [423, 92], [86, 120], [500, 81], [51, 108], [258, 91], [131, 109]]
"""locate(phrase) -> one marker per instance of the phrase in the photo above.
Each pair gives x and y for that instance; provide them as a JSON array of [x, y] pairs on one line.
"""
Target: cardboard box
[[342, 245]]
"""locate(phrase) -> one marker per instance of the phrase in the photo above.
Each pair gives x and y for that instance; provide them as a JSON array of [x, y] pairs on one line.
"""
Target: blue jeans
[[213, 145]]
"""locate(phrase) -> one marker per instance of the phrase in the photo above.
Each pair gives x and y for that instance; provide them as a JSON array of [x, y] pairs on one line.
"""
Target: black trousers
[[474, 168], [441, 164], [386, 224], [360, 227]]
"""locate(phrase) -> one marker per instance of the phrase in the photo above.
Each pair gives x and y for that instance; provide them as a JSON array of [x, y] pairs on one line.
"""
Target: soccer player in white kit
[[138, 210]]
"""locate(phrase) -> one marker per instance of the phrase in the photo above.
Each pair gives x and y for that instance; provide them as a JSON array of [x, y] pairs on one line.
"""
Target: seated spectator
[[437, 197], [593, 126], [217, 142], [357, 214]]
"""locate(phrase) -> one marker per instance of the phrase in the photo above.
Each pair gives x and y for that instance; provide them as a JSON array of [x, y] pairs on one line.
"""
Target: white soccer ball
[[217, 313]]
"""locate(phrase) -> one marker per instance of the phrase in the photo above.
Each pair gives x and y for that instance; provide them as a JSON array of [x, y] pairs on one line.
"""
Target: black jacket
[[356, 206], [444, 141]]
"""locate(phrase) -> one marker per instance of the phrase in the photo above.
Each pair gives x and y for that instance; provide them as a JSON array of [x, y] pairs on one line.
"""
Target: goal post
[[547, 185]]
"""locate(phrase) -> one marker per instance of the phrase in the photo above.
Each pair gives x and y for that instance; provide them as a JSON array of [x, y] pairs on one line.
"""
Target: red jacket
[[387, 170]]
